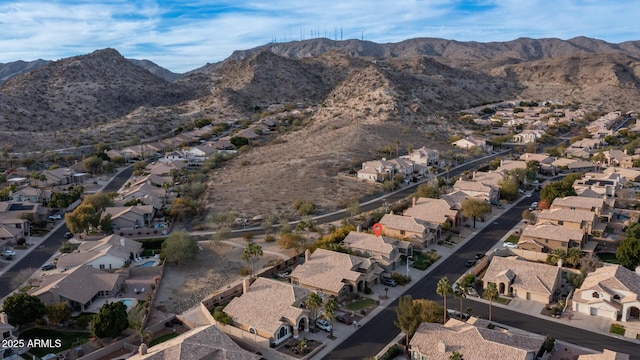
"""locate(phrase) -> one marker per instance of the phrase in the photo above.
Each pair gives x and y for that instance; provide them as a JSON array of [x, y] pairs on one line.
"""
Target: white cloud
[[181, 38]]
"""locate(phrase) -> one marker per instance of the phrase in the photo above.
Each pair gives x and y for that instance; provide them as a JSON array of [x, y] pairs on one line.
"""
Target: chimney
[[358, 229], [307, 255], [560, 263], [121, 241], [245, 286], [413, 201], [442, 347], [143, 349], [3, 318]]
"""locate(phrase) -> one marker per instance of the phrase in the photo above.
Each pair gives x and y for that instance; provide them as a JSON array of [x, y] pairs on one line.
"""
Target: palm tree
[[330, 312], [314, 303], [443, 289], [460, 292], [491, 294], [252, 254], [456, 356]]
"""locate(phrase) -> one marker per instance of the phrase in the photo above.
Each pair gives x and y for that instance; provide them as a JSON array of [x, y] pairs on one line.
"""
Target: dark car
[[389, 282], [344, 319], [479, 255], [68, 235], [470, 262], [47, 267]]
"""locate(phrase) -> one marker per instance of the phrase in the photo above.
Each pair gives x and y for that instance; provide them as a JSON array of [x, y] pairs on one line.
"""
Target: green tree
[[456, 356], [239, 141], [105, 223], [407, 317], [330, 309], [180, 247], [100, 201], [304, 227], [475, 208], [574, 255], [252, 254], [443, 289], [509, 188], [556, 189], [22, 308], [428, 190], [555, 255], [628, 253], [92, 164], [139, 167], [58, 313], [491, 294], [110, 321], [354, 207], [429, 311], [82, 218], [314, 304], [460, 292]]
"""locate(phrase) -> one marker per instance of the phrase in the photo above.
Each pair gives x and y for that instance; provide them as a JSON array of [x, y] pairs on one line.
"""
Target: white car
[[55, 217], [510, 245], [323, 324], [9, 253]]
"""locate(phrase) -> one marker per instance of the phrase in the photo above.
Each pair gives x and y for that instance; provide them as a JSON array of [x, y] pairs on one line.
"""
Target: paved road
[[51, 243], [379, 331]]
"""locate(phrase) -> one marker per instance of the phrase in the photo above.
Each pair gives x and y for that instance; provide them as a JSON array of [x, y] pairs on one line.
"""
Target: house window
[[560, 222], [415, 355], [595, 295], [402, 232], [101, 266], [616, 297], [253, 331]]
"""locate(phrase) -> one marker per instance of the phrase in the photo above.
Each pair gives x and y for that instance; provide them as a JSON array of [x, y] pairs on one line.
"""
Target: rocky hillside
[[10, 70]]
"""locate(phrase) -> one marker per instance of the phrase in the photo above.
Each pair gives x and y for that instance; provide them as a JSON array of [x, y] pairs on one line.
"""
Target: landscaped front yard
[[360, 304]]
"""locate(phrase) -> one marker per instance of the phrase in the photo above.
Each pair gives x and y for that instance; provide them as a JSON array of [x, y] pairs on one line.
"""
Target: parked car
[[9, 253], [470, 263], [479, 255], [472, 292], [323, 325], [284, 274], [55, 217], [389, 282], [534, 206], [47, 267], [68, 235], [510, 245], [344, 319]]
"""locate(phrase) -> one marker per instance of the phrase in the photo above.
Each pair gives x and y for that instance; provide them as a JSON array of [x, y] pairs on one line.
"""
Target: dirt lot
[[217, 265]]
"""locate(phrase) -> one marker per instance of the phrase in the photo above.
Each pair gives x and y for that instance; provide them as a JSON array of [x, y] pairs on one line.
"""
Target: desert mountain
[[10, 70]]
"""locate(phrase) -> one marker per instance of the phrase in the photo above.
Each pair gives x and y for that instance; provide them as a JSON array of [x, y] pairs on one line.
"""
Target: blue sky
[[184, 35]]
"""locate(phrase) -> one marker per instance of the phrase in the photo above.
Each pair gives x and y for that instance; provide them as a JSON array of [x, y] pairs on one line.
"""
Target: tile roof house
[[469, 142], [205, 342], [577, 219], [629, 174], [336, 273], [611, 291], [474, 342], [605, 355], [30, 194], [383, 250], [601, 207], [523, 279], [111, 252], [78, 287], [507, 165], [492, 178], [424, 156], [419, 233], [436, 211], [478, 190], [528, 136], [130, 217], [144, 191], [541, 158], [603, 184], [546, 237], [270, 309]]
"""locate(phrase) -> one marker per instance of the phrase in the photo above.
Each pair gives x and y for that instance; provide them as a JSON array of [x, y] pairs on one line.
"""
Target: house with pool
[[111, 252], [79, 287], [269, 310]]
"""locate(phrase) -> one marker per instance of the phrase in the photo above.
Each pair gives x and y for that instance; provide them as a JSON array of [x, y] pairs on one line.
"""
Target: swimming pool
[[127, 302], [147, 263]]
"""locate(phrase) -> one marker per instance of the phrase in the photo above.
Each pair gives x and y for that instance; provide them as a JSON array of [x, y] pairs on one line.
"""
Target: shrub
[[269, 238], [391, 353], [617, 329], [221, 317], [401, 279], [367, 290], [244, 271]]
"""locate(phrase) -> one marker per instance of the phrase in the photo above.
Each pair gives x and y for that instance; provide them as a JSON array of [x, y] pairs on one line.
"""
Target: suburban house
[[629, 174], [473, 340], [541, 158], [604, 184], [385, 251], [419, 233], [605, 355], [546, 237], [78, 287], [12, 227], [205, 342], [63, 176], [478, 190], [336, 273], [111, 252], [492, 178], [469, 142], [30, 194], [576, 219], [270, 309], [601, 207], [436, 211], [611, 291], [145, 192], [6, 329], [379, 170], [518, 278], [508, 165], [424, 156], [528, 136], [130, 217]]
